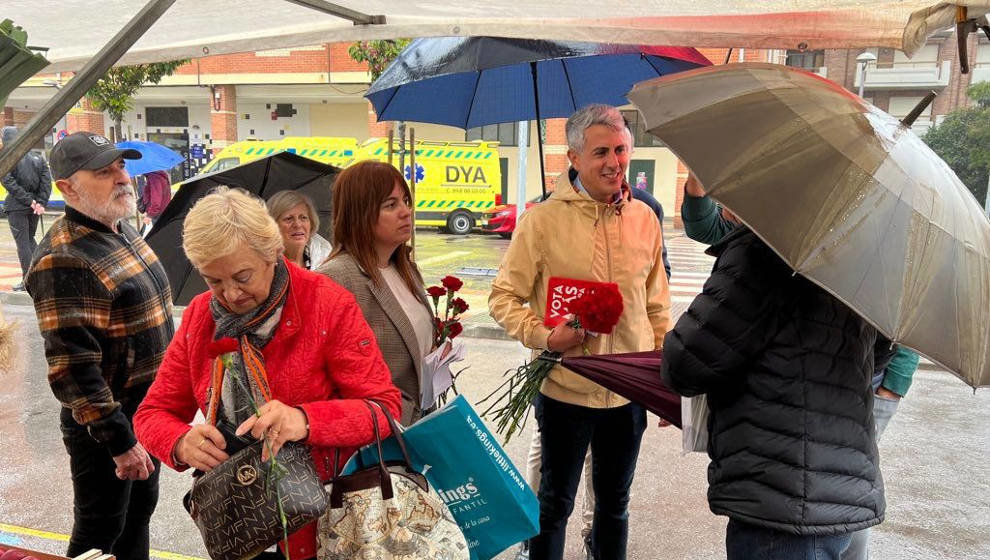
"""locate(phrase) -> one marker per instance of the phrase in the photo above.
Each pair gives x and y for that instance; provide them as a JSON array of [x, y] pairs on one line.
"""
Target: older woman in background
[[319, 358], [372, 222], [297, 220]]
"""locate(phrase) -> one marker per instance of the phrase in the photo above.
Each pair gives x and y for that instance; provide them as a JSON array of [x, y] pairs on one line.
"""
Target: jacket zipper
[[608, 261]]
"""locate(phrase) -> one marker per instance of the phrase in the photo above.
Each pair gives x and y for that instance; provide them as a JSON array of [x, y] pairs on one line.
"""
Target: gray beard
[[108, 214]]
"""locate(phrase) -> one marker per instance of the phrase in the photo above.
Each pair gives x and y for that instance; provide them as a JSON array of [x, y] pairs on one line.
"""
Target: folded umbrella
[[847, 195], [154, 157], [635, 376]]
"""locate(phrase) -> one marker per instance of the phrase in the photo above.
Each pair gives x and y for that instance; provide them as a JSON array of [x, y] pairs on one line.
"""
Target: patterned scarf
[[252, 330]]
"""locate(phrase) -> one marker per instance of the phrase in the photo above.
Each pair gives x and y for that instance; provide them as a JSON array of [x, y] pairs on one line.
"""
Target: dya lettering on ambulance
[[465, 174]]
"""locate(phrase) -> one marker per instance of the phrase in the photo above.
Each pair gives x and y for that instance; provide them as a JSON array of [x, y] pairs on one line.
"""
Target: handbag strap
[[385, 483], [397, 431], [378, 442]]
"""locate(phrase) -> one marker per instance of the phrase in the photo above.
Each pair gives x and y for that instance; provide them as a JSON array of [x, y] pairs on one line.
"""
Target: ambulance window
[[504, 133], [226, 163]]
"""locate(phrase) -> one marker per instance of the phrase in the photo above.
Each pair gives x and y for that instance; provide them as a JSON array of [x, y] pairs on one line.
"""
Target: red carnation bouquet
[[436, 378], [593, 306], [449, 326]]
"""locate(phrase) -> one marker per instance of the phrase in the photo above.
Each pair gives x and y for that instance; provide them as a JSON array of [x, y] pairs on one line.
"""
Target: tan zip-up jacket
[[573, 236]]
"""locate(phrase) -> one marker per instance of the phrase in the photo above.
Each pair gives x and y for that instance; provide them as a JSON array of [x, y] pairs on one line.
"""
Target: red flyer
[[561, 292]]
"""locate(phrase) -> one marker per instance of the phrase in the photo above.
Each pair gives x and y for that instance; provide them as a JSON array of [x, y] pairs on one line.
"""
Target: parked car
[[502, 219]]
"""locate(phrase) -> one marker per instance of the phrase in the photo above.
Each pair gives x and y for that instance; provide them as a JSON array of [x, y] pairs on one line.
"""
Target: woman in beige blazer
[[372, 224]]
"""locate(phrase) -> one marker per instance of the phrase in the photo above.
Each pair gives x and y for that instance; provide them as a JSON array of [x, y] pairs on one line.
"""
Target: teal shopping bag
[[470, 471]]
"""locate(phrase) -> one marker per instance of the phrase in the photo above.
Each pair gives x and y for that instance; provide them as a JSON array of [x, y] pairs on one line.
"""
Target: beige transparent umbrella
[[846, 194]]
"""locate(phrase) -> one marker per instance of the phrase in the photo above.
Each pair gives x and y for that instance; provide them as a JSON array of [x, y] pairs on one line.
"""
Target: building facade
[[214, 101]]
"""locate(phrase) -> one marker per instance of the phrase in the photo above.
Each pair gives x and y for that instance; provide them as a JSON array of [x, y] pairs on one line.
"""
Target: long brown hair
[[358, 194]]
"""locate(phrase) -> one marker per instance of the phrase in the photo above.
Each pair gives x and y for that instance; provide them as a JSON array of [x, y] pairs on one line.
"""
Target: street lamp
[[864, 59]]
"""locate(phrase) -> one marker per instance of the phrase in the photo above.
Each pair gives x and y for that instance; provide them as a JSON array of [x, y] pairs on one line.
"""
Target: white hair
[[589, 116]]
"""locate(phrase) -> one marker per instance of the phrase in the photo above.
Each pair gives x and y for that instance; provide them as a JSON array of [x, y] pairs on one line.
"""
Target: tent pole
[[539, 137], [412, 189], [77, 87], [337, 10], [391, 138], [522, 141]]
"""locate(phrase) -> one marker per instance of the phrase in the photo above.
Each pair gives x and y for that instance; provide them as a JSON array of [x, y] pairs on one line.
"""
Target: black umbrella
[[635, 376], [264, 177]]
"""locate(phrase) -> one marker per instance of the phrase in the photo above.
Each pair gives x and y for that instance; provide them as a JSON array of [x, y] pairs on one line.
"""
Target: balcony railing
[[909, 75]]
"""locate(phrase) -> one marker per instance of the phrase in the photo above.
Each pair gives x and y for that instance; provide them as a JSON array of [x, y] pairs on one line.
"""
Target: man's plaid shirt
[[105, 311]]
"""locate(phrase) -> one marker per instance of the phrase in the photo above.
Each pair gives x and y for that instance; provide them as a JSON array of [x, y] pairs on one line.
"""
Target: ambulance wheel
[[460, 222]]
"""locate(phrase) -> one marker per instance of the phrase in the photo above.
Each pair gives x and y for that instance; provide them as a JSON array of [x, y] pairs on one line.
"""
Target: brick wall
[[223, 117], [21, 118], [331, 57], [262, 62], [85, 118], [377, 129], [8, 116], [341, 61], [555, 148], [954, 95], [841, 66]]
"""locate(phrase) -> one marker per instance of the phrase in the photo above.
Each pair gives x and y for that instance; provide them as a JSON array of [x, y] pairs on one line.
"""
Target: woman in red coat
[[319, 358]]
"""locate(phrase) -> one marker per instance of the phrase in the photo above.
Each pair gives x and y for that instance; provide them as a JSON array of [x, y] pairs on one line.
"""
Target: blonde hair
[[283, 201], [223, 220]]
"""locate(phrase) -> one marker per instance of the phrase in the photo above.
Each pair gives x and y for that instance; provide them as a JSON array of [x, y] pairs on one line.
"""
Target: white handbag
[[387, 512]]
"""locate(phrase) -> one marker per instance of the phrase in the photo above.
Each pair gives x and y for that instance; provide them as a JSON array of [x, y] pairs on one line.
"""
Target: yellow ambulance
[[455, 181], [326, 149]]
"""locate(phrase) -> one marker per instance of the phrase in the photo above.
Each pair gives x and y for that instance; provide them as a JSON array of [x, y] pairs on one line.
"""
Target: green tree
[[378, 54], [114, 92], [963, 141]]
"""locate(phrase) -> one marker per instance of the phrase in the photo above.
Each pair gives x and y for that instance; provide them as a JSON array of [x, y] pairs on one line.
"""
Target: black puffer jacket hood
[[787, 370], [29, 180]]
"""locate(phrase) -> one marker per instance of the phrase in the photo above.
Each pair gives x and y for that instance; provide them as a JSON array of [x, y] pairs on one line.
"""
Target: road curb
[[15, 298], [485, 331]]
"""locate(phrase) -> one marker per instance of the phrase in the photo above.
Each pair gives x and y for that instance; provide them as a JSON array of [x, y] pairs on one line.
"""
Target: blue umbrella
[[154, 157], [475, 81]]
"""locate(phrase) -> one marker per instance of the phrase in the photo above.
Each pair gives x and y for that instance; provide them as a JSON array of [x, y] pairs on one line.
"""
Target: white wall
[[135, 128], [255, 120]]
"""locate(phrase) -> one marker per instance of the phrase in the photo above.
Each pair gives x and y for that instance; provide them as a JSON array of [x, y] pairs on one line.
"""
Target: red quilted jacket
[[323, 358]]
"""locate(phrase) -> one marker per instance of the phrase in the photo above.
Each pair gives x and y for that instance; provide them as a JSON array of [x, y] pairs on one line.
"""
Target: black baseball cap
[[85, 150]]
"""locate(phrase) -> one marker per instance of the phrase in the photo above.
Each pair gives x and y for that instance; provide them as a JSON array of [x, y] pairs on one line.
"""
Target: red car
[[502, 219]]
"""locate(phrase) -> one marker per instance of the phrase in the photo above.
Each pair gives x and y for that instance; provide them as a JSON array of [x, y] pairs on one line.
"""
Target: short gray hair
[[283, 201], [587, 117]]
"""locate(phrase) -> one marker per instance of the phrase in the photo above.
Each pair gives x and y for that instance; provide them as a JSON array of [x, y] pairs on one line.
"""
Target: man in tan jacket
[[591, 230]]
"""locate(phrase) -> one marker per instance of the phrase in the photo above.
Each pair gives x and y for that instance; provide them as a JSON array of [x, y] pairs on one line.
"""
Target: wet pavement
[[934, 452]]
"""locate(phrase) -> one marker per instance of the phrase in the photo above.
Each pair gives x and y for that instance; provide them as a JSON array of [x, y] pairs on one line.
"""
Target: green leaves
[[114, 92], [963, 141], [378, 54]]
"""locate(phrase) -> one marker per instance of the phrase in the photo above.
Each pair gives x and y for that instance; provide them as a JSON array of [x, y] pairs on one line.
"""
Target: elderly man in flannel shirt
[[104, 308]]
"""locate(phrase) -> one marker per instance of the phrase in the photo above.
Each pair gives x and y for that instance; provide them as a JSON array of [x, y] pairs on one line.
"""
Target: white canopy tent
[[74, 30], [91, 36]]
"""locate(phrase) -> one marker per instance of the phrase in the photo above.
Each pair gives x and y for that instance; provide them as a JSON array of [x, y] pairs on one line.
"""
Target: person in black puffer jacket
[[787, 369]]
